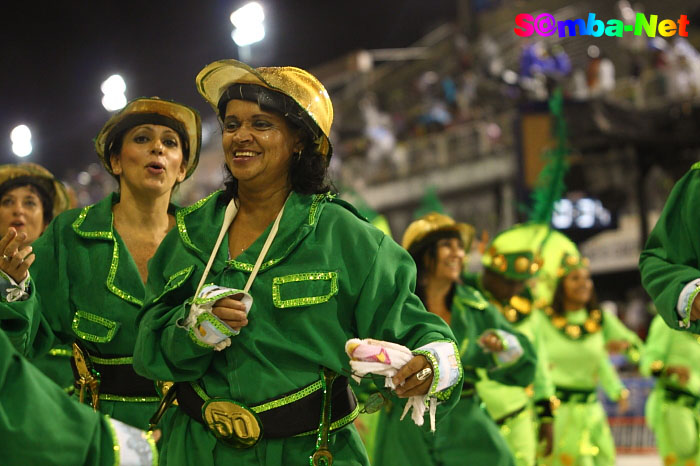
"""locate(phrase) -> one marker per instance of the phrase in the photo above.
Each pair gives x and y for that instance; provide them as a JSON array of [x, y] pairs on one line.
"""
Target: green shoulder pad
[[348, 206], [472, 297]]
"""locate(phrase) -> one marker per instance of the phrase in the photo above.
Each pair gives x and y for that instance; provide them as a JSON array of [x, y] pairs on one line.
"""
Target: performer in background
[[487, 344], [673, 358], [30, 197], [87, 281]]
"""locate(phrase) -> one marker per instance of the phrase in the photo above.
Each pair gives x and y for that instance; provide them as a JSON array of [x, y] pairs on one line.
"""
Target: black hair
[[559, 297], [424, 254], [43, 188], [308, 170]]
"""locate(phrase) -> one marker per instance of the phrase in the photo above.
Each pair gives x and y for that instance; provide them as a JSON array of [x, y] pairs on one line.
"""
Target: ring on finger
[[424, 374], [5, 257]]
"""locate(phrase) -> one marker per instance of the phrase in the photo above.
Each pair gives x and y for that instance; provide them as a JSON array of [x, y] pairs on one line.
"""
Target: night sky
[[55, 55]]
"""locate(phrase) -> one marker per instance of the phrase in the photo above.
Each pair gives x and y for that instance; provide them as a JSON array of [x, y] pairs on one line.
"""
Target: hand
[[406, 382], [231, 312], [14, 261], [490, 340], [361, 427], [623, 405], [695, 309], [546, 437], [156, 435], [617, 346], [681, 372]]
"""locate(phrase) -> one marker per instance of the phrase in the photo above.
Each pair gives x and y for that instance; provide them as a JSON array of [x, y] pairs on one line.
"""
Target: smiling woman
[[87, 282], [291, 274]]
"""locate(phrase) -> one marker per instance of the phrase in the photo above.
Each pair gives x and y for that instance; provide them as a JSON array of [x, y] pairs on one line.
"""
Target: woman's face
[[258, 144], [21, 209], [449, 259], [150, 160], [578, 287]]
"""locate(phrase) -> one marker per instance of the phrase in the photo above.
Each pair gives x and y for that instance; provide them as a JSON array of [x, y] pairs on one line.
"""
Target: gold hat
[[432, 222], [154, 107], [300, 85], [60, 199]]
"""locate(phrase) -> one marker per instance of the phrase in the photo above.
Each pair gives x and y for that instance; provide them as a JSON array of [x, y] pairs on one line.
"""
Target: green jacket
[[41, 425], [671, 257], [502, 400], [468, 432], [328, 276], [84, 287]]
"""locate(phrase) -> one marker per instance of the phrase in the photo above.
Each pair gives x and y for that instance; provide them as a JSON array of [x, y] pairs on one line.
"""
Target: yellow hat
[[144, 110], [433, 222], [515, 252], [300, 85], [53, 187]]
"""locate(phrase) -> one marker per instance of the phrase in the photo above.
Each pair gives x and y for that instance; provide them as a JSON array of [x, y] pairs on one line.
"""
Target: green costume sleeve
[[615, 330], [32, 331], [656, 347], [39, 424], [542, 383], [670, 258]]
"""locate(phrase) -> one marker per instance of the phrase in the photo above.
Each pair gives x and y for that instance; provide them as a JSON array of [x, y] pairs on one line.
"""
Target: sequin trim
[[111, 325], [200, 301], [60, 352], [200, 391], [112, 361], [180, 220], [342, 422], [169, 286], [115, 443], [152, 445], [289, 398], [314, 207], [194, 338], [307, 300], [90, 234], [446, 393], [132, 399], [113, 272], [216, 323]]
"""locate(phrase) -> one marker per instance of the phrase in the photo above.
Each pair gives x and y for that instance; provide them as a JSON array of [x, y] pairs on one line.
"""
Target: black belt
[[502, 420], [119, 380], [681, 396], [294, 418], [573, 395]]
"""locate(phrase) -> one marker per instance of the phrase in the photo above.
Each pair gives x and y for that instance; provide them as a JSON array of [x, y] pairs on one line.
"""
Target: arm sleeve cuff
[[511, 348], [132, 446], [443, 356], [203, 326], [685, 301], [14, 291]]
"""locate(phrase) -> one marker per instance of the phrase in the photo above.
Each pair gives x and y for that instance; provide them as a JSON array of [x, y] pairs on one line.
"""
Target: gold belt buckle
[[232, 422]]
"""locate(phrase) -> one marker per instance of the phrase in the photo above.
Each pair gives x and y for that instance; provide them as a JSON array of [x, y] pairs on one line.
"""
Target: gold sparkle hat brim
[[300, 85], [188, 117], [434, 222], [61, 201]]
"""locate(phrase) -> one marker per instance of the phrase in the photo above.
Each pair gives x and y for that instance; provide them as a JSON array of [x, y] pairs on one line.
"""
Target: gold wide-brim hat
[[60, 200], [434, 222], [187, 117], [300, 85]]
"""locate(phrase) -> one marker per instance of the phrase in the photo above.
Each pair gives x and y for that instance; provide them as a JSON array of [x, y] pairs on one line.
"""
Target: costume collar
[[301, 212]]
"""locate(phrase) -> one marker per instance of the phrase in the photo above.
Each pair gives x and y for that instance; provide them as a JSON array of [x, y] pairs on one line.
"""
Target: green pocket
[[175, 281], [92, 327], [304, 289]]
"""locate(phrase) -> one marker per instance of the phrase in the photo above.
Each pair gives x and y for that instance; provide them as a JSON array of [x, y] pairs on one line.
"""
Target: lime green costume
[[672, 409], [39, 424], [670, 260], [86, 278], [514, 254], [467, 435], [328, 276]]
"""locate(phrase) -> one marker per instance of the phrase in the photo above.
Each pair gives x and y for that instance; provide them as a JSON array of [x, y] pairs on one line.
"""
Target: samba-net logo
[[546, 25]]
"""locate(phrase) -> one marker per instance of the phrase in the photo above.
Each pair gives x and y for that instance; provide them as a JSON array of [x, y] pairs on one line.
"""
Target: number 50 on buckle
[[232, 422]]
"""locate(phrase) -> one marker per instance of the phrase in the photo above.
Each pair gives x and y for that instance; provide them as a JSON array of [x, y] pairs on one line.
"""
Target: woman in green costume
[[30, 197], [252, 298], [487, 342], [672, 409], [87, 279], [39, 424], [576, 344]]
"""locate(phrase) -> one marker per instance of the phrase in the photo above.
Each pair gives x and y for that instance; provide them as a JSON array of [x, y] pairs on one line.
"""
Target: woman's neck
[[435, 293], [263, 204], [570, 306], [147, 212]]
